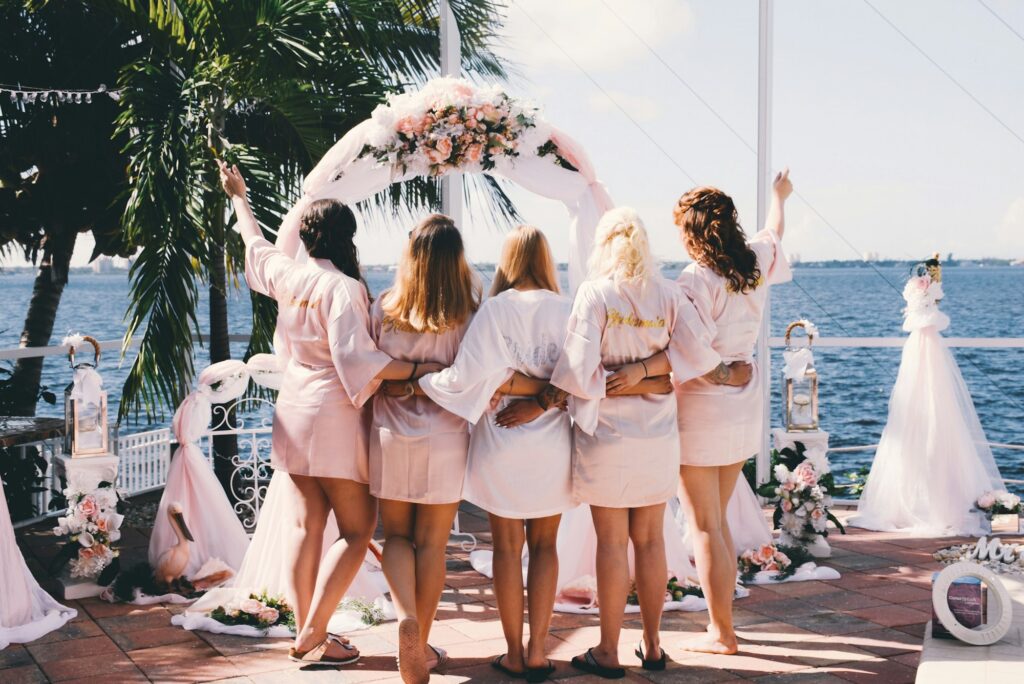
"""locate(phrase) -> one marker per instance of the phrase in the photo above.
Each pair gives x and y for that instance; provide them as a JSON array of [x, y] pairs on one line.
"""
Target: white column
[[764, 128], [451, 65]]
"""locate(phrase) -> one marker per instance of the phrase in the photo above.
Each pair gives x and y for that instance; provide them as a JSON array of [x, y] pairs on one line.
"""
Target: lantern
[[800, 380], [86, 429]]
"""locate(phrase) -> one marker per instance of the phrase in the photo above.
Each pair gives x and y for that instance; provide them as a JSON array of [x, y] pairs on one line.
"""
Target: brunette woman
[[320, 437], [720, 426]]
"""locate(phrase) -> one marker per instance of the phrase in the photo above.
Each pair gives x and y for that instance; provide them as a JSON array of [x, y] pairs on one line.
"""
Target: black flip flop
[[539, 674], [588, 663], [650, 665], [499, 665]]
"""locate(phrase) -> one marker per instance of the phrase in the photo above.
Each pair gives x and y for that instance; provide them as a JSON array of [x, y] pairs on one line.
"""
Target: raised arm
[[234, 185], [782, 187]]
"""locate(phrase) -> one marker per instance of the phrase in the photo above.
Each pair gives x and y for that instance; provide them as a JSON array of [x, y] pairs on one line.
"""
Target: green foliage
[[370, 614], [22, 478]]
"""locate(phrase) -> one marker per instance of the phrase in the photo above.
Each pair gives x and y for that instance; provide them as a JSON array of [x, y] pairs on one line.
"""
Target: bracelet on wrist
[[646, 374], [412, 375]]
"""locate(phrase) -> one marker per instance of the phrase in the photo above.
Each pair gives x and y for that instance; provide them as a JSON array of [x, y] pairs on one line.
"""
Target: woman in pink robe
[[720, 426], [627, 323], [320, 429], [418, 450]]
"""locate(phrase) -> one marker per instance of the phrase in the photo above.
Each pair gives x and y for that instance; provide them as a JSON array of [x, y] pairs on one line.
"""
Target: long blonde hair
[[621, 250], [525, 258], [434, 290]]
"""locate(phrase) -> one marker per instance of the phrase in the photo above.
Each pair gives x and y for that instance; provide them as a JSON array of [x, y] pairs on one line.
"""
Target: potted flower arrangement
[[91, 527], [1002, 510], [801, 487]]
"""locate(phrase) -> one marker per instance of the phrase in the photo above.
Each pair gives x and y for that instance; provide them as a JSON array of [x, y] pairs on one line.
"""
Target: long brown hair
[[435, 290], [327, 231], [711, 231], [525, 259]]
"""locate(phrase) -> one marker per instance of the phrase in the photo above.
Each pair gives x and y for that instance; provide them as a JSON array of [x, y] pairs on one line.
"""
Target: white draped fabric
[[26, 611], [345, 176], [266, 568], [933, 460]]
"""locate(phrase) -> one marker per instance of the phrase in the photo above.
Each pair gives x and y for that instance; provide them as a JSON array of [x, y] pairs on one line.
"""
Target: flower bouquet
[[674, 591], [802, 487], [91, 526], [781, 561], [259, 611], [1002, 510], [452, 124]]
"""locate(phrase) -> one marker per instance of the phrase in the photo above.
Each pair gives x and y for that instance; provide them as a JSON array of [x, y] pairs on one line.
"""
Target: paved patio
[[865, 627]]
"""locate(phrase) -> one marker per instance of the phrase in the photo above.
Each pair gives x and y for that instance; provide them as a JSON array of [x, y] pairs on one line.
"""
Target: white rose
[[781, 472]]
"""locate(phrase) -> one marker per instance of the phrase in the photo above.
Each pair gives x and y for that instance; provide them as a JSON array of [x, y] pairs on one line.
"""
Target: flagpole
[[451, 65], [764, 149]]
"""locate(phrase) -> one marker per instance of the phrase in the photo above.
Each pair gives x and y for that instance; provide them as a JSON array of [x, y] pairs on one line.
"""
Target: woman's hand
[[782, 187], [735, 374], [396, 388], [518, 413], [231, 180], [625, 377]]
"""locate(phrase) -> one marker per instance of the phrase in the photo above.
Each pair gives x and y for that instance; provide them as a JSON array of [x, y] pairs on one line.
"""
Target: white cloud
[[640, 107], [590, 32]]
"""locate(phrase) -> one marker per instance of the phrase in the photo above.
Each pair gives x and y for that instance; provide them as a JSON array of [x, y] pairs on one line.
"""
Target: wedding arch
[[453, 126]]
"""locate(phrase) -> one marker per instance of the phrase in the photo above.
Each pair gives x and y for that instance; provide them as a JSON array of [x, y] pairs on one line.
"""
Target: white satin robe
[[320, 427], [719, 424], [626, 451], [418, 450], [525, 471]]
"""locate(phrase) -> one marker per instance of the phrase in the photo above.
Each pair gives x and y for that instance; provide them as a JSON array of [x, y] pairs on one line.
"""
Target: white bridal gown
[[26, 611], [933, 461]]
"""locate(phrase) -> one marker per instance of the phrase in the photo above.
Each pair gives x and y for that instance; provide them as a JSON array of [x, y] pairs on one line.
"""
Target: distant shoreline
[[489, 266]]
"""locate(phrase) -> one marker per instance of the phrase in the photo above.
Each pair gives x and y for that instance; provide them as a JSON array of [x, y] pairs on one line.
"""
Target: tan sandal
[[325, 660]]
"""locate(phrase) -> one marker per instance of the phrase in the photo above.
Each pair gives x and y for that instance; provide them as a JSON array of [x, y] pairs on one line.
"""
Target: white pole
[[764, 149], [451, 65]]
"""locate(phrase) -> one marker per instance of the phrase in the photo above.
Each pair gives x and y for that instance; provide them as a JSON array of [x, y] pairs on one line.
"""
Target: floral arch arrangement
[[454, 126]]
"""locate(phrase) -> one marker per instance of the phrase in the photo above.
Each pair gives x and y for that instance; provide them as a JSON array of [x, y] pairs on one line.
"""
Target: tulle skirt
[[933, 461]]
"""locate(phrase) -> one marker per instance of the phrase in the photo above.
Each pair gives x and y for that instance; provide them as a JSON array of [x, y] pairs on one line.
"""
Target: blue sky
[[891, 152]]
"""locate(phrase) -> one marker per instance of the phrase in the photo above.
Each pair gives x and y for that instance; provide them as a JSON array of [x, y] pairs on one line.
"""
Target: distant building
[[103, 264]]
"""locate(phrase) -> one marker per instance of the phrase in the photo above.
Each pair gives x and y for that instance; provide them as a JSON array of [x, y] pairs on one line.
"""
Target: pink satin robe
[[525, 471], [320, 427], [626, 451], [719, 424], [418, 450]]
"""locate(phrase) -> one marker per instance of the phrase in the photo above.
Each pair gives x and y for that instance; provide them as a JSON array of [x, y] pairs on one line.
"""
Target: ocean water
[[843, 302]]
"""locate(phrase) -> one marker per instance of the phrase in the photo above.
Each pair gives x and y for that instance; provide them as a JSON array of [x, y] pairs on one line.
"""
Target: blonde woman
[[417, 449], [719, 425], [628, 323], [319, 437]]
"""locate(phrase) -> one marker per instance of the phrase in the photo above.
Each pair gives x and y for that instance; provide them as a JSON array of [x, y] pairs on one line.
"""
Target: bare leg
[[433, 527], [306, 544], [399, 563], [716, 561], [612, 527], [726, 486], [508, 536], [356, 513], [647, 530], [542, 583]]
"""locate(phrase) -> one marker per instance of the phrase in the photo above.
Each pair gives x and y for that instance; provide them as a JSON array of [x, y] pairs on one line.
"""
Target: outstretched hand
[[231, 180], [782, 186]]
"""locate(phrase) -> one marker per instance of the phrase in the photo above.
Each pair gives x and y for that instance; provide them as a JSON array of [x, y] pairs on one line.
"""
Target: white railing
[[145, 457]]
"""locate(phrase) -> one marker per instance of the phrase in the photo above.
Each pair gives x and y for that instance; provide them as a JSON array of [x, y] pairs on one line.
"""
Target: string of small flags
[[57, 95]]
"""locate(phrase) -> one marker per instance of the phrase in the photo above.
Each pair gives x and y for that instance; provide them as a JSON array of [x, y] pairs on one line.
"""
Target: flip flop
[[325, 660], [650, 665], [539, 674], [442, 657], [411, 664], [588, 663], [499, 665]]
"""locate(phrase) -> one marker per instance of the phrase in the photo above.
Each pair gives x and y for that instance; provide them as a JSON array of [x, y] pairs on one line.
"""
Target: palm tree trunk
[[225, 447], [58, 245]]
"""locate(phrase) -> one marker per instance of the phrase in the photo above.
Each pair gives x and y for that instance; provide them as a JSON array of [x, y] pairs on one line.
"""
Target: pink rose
[[474, 152], [782, 559], [88, 506], [817, 514], [788, 486], [805, 474], [102, 524], [770, 566], [986, 500], [787, 505], [407, 126], [268, 614], [490, 112], [471, 113], [252, 606], [444, 146]]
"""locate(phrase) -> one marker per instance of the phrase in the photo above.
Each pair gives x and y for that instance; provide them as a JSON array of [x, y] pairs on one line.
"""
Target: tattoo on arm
[[720, 375], [551, 396]]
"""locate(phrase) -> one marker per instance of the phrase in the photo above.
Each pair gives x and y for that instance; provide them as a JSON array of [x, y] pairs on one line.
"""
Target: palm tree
[[61, 170], [270, 85]]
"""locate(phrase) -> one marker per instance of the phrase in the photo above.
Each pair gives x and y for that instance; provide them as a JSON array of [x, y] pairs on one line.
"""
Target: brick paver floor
[[865, 627]]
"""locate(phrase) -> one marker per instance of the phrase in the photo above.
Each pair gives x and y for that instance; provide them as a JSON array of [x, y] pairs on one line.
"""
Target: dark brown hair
[[711, 231], [327, 230], [435, 290]]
